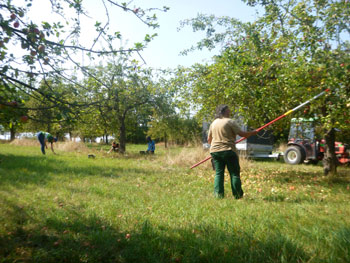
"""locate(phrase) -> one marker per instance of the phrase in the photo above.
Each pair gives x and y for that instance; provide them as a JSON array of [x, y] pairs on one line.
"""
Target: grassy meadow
[[143, 208]]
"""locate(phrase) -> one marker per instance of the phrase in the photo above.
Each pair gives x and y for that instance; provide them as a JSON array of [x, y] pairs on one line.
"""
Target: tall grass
[[66, 146], [153, 208]]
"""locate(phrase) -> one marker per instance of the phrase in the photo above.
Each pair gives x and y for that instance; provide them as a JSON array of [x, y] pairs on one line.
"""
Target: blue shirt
[[47, 136], [151, 146]]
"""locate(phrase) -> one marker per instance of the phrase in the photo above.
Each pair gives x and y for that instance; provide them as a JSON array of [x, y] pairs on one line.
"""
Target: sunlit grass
[[153, 208]]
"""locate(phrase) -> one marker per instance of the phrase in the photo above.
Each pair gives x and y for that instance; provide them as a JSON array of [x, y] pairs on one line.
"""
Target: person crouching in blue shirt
[[151, 145]]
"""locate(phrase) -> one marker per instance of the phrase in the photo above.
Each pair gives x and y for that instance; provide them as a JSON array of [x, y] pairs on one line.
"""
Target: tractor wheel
[[293, 155]]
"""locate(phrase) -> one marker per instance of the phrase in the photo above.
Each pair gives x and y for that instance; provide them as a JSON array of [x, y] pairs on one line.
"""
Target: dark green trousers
[[229, 159]]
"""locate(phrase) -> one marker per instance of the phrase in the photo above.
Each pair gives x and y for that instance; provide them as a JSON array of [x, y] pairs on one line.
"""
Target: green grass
[[68, 208]]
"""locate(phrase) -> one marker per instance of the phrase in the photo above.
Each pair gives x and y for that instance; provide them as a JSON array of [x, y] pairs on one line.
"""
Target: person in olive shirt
[[221, 137], [44, 137]]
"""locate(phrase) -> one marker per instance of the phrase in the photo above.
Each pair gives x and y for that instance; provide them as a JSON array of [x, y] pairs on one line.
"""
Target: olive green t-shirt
[[223, 132]]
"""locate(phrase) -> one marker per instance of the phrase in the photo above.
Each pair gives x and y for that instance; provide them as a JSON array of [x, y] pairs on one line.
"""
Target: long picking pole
[[268, 124]]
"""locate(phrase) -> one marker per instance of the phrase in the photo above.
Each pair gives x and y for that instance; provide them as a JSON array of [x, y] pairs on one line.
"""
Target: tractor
[[304, 147]]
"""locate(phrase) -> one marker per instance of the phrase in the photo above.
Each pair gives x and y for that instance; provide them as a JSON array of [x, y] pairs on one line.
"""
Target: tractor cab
[[304, 147], [302, 129], [302, 143]]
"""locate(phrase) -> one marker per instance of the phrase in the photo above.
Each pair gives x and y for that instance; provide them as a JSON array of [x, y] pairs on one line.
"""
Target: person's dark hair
[[149, 139], [220, 111]]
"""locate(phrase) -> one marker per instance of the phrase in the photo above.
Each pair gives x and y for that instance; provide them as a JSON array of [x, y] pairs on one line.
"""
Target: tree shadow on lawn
[[80, 238], [342, 178], [21, 170]]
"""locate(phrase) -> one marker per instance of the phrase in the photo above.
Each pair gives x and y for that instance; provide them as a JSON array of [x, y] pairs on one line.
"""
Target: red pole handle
[[206, 159], [242, 139]]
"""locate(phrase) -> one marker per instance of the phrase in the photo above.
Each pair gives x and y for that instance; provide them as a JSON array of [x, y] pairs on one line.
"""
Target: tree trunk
[[12, 133], [106, 138], [330, 160], [122, 136], [165, 140], [70, 136]]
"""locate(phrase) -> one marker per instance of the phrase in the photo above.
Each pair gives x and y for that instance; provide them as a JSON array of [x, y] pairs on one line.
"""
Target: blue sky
[[163, 51]]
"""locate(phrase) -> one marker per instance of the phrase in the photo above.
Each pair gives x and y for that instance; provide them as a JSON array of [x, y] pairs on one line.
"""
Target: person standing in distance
[[44, 137], [221, 137]]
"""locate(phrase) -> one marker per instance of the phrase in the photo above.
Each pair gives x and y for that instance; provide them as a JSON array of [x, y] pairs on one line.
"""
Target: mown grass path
[[68, 208]]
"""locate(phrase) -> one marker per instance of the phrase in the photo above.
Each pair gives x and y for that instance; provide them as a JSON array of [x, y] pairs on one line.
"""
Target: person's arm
[[110, 150], [210, 138], [247, 134], [237, 130], [45, 144], [52, 148]]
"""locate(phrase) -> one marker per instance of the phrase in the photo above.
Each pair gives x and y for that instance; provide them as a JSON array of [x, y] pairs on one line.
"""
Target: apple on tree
[[46, 61], [24, 119], [12, 103], [41, 48]]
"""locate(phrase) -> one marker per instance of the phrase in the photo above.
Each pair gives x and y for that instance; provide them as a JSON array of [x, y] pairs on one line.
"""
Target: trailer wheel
[[293, 155]]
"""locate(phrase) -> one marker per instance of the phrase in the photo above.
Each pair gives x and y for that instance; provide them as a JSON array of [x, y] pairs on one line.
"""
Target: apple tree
[[293, 51], [319, 34], [12, 114], [32, 50], [50, 115], [119, 92]]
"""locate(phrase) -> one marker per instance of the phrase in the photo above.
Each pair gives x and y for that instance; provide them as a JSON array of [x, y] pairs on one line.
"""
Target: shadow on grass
[[342, 178], [295, 199], [19, 170], [26, 169], [80, 238], [76, 237]]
